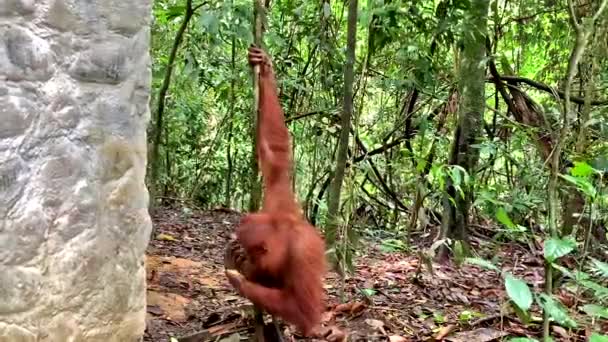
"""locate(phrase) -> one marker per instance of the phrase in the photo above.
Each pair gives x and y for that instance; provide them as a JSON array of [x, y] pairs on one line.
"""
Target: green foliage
[[556, 248], [556, 310], [483, 263], [518, 291], [595, 337], [595, 310], [599, 268], [393, 245]]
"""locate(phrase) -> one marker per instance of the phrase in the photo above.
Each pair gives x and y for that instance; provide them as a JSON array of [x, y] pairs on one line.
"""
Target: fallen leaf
[[165, 237], [560, 331], [445, 331], [397, 338], [478, 335], [376, 324], [333, 334], [351, 307]]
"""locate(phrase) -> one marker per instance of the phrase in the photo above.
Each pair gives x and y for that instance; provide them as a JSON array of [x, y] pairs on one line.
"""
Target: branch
[[303, 115], [545, 87], [383, 184]]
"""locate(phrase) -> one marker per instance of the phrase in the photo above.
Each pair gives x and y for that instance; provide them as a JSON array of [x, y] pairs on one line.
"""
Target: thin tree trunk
[[333, 205], [162, 95]]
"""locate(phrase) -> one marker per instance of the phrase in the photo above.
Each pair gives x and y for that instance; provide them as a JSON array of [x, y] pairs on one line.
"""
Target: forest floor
[[386, 299]]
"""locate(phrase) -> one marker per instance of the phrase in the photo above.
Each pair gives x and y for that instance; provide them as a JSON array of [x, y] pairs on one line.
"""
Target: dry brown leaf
[[333, 334], [478, 335], [397, 338], [222, 328], [560, 331], [445, 331], [376, 324], [350, 307]]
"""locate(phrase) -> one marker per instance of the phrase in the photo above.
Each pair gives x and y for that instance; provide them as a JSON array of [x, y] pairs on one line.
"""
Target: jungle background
[[452, 152]]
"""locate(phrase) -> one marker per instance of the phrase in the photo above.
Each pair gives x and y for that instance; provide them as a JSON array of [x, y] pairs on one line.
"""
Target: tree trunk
[[333, 203], [470, 120]]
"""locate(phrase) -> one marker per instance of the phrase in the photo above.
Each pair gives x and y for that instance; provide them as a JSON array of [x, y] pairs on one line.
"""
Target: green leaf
[[439, 318], [600, 291], [581, 169], [503, 217], [468, 315], [582, 184], [518, 291], [556, 248], [600, 267], [393, 245], [482, 263], [368, 292], [556, 311], [522, 339], [175, 11], [595, 337], [596, 310], [455, 175]]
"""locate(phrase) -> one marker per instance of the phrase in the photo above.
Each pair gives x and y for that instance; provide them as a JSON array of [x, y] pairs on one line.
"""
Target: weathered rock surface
[[74, 92]]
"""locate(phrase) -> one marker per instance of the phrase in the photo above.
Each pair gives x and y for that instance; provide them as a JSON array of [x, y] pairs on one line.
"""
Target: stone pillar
[[74, 91]]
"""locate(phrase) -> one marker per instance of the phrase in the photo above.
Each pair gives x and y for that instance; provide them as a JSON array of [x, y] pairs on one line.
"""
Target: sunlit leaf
[[582, 184], [503, 217], [581, 169], [555, 248], [518, 291]]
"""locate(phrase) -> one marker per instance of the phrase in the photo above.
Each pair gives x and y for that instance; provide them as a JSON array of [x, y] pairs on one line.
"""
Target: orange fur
[[286, 254]]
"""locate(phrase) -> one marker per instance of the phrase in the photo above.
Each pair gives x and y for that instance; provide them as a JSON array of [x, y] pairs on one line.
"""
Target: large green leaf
[[581, 169], [556, 248], [598, 338], [599, 267], [503, 217], [582, 184], [518, 292], [556, 311], [596, 310]]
